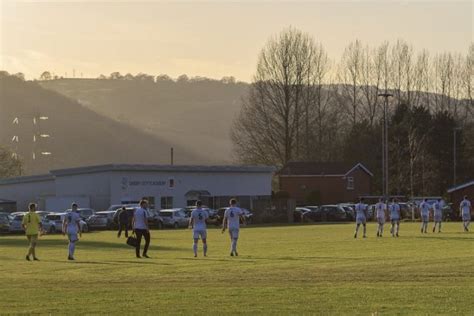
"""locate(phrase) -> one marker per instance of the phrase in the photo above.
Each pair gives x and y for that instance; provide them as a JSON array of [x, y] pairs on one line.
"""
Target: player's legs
[[195, 247], [147, 236], [139, 234], [365, 229], [120, 230], [392, 227], [204, 242], [72, 245], [398, 227], [357, 230]]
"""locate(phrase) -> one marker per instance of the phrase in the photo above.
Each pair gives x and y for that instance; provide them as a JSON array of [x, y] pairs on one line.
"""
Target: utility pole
[[385, 190], [454, 153]]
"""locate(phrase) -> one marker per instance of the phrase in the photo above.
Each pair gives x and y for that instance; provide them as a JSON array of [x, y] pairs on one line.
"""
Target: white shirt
[[380, 208], [360, 209], [394, 210], [437, 209], [425, 208], [72, 219], [199, 217], [140, 217], [233, 217], [465, 206]]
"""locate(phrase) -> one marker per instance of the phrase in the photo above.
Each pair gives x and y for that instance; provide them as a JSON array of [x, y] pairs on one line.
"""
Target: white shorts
[[200, 233], [466, 217], [425, 217], [438, 218], [360, 220], [72, 237], [395, 219], [381, 220], [234, 232]]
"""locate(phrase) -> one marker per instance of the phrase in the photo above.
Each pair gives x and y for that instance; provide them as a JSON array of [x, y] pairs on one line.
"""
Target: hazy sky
[[212, 39]]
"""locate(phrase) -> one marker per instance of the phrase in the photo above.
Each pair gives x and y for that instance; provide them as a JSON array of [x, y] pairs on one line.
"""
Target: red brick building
[[458, 192], [331, 182]]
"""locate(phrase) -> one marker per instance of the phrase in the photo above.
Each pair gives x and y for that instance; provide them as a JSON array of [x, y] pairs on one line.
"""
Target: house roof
[[461, 186], [304, 168]]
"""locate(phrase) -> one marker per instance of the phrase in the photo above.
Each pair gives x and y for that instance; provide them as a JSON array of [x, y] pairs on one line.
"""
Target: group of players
[[197, 222], [232, 218], [394, 213]]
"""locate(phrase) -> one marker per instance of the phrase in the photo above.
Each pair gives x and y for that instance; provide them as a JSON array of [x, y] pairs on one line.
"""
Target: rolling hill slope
[[79, 136], [194, 114]]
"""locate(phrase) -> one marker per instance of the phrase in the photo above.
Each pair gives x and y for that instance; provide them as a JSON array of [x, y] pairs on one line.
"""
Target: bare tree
[[269, 127], [350, 77]]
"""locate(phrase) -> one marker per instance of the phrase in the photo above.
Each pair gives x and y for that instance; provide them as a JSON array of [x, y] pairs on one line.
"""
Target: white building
[[164, 186]]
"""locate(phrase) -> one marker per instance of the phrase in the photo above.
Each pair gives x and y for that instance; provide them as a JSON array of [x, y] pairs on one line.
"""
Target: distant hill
[[196, 114], [79, 136]]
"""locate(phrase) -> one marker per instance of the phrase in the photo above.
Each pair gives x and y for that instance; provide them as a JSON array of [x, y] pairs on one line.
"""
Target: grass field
[[309, 269]]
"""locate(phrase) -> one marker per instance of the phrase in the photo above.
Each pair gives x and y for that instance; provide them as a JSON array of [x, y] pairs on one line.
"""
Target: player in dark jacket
[[123, 221]]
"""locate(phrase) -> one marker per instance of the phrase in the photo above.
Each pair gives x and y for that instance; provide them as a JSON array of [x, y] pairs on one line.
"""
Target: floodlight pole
[[385, 95]]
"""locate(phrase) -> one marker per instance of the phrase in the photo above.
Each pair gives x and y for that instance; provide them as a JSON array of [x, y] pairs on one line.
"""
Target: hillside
[[79, 136], [194, 114]]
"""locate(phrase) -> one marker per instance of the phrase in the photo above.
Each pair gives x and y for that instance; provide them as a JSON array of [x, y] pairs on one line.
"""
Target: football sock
[[195, 249]]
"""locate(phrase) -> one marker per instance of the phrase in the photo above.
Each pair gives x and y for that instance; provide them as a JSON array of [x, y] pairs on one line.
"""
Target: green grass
[[310, 269]]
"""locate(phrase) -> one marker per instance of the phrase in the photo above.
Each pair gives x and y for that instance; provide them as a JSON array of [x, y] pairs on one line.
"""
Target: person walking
[[140, 228], [72, 228], [123, 222], [32, 225], [197, 222]]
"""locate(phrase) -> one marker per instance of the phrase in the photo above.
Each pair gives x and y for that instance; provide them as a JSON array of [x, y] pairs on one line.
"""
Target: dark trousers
[[123, 226], [145, 233]]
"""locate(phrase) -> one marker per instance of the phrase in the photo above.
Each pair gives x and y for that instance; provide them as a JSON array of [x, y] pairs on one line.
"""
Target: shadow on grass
[[82, 244], [445, 238]]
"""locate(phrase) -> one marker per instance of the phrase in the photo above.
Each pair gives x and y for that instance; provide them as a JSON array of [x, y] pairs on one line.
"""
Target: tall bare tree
[[269, 127]]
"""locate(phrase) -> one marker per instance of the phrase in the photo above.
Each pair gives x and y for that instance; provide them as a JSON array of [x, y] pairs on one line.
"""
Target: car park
[[298, 214], [175, 217], [53, 223], [4, 223], [16, 223], [101, 220], [84, 213], [334, 213], [154, 219]]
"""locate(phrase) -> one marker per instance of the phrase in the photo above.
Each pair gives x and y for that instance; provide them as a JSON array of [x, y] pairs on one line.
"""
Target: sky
[[205, 38]]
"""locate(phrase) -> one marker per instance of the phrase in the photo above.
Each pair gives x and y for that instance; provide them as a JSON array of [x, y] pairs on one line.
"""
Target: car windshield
[[18, 218]]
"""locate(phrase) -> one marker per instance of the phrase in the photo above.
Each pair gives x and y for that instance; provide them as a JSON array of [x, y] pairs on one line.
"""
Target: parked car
[[298, 214], [42, 214], [16, 223], [101, 220], [4, 222], [350, 211], [175, 217], [154, 219], [53, 223], [334, 213]]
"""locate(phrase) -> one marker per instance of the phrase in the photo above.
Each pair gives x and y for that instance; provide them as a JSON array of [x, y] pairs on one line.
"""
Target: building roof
[[24, 179], [304, 168], [461, 186], [166, 168]]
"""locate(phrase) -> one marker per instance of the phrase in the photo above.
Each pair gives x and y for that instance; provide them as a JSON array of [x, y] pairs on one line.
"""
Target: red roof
[[320, 168]]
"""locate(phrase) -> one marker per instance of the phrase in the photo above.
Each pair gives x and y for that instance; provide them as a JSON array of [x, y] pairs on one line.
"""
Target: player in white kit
[[361, 217], [465, 209], [425, 215], [437, 215], [71, 227], [394, 217], [380, 208], [232, 217], [198, 223]]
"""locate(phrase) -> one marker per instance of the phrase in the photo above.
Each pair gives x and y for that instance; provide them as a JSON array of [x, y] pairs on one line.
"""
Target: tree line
[[304, 106]]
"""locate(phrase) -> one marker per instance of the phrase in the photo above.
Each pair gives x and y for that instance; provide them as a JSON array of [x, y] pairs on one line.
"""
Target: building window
[[166, 202], [171, 183], [350, 183]]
